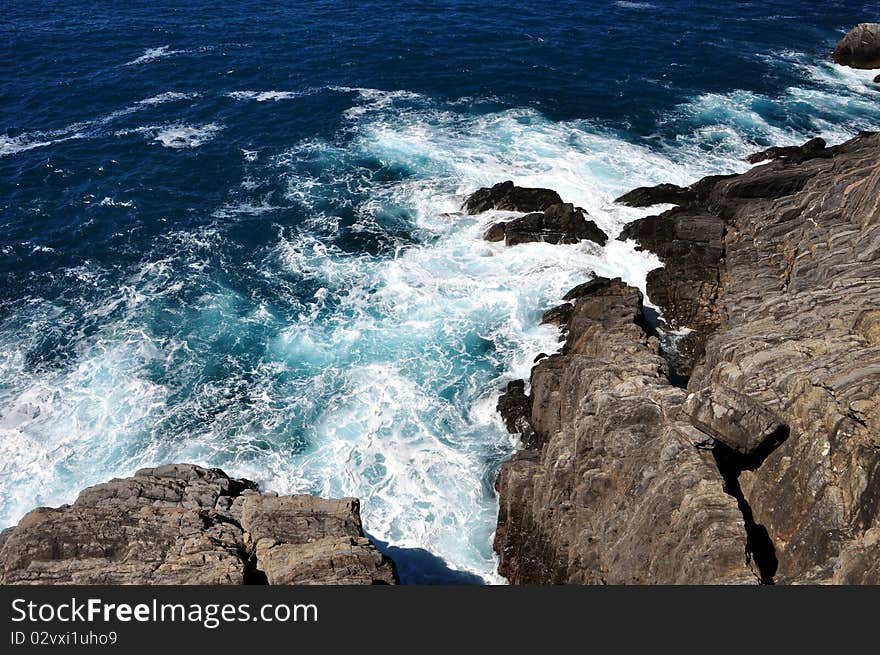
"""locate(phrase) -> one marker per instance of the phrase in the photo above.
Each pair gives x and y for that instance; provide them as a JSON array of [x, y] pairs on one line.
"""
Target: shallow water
[[231, 235]]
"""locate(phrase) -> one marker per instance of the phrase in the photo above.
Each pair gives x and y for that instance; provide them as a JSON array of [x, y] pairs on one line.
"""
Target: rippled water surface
[[230, 234]]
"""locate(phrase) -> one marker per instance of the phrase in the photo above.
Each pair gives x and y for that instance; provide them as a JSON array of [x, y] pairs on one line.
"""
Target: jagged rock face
[[506, 196], [779, 269], [559, 223], [613, 489], [184, 524], [860, 48], [796, 330], [516, 411], [690, 242], [549, 220]]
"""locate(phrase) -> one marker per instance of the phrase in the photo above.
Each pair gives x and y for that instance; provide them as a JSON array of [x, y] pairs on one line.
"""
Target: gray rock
[[736, 420], [860, 48], [634, 482], [183, 524], [793, 326]]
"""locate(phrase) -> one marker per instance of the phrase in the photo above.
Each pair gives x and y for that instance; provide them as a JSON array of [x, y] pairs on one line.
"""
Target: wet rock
[[515, 409], [183, 524], [592, 286], [506, 196], [560, 223], [495, 232], [559, 315], [795, 154], [657, 195], [860, 48]]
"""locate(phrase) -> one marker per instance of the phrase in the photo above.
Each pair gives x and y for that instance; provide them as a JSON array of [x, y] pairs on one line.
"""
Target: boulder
[[736, 420], [495, 232], [560, 223], [506, 196], [860, 48]]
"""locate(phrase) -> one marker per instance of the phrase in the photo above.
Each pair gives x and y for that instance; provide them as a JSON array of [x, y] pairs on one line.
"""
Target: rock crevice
[[767, 466]]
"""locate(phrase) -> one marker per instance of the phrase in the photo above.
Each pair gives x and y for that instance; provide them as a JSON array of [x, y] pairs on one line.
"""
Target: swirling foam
[[366, 371]]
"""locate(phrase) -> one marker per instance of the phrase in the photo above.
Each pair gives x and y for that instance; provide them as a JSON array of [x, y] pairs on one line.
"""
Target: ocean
[[230, 234]]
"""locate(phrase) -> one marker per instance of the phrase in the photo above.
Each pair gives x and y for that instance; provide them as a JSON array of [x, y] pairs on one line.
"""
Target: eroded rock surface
[[791, 326], [184, 524], [767, 467], [612, 489], [860, 48]]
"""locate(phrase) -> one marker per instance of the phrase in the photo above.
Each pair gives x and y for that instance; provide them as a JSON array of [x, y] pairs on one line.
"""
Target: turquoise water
[[231, 235]]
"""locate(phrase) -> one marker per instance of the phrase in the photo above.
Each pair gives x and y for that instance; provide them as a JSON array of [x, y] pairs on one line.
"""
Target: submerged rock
[[506, 196], [860, 48], [184, 524]]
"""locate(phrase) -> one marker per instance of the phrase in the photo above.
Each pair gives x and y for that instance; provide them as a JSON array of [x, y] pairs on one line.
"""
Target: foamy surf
[[369, 371]]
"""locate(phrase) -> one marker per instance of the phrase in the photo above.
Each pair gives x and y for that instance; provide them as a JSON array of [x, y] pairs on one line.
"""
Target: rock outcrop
[[560, 223], [611, 488], [184, 524], [860, 48], [767, 466], [505, 196], [549, 220]]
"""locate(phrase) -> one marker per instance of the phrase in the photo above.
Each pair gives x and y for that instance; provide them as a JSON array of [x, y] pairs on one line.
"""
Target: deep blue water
[[229, 233]]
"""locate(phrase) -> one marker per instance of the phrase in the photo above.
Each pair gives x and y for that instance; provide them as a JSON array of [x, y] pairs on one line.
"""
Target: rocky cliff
[[763, 463], [183, 524]]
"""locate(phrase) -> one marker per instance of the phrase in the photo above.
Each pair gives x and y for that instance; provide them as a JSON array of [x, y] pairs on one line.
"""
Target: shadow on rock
[[418, 566]]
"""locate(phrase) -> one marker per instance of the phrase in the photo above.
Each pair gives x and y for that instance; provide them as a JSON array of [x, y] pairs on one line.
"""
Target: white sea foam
[[153, 54], [265, 96], [84, 129], [635, 5], [176, 135], [382, 382]]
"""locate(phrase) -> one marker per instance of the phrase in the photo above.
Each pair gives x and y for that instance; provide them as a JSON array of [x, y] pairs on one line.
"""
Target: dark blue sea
[[229, 232]]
